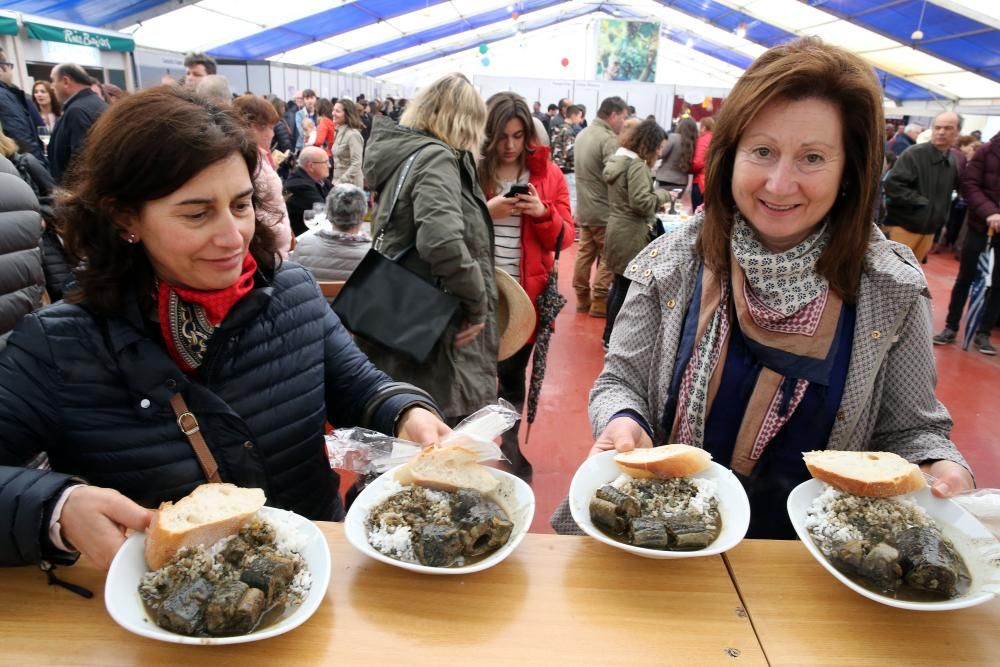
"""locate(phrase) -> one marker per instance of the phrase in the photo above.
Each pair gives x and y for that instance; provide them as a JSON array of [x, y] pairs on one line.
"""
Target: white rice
[[835, 517]]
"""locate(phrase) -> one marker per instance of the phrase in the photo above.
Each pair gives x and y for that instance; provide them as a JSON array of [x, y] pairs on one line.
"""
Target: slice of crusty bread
[[204, 516], [447, 468], [664, 462], [875, 474]]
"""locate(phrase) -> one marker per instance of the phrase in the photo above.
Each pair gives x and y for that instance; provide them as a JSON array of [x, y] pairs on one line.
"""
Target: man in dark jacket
[[81, 107], [919, 186], [981, 190], [905, 138], [19, 117], [22, 281], [307, 186]]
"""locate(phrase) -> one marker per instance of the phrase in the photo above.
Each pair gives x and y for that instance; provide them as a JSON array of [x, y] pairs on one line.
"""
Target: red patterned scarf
[[188, 318]]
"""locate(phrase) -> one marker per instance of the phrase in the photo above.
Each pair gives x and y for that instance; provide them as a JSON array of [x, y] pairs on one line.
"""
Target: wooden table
[[555, 601], [803, 616]]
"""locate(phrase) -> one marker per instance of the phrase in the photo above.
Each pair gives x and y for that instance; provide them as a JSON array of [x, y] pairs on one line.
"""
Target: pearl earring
[[132, 238]]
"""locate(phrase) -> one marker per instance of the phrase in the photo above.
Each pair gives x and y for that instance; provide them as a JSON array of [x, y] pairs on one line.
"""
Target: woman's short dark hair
[[126, 163], [324, 108], [645, 140], [351, 115], [802, 69]]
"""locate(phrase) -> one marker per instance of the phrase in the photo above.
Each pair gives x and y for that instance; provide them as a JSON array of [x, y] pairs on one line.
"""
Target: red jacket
[[981, 184], [698, 160], [325, 134], [539, 235]]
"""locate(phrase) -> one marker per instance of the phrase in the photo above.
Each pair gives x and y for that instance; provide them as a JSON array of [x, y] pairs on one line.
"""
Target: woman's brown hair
[[501, 109], [802, 69], [141, 149], [54, 103], [256, 110], [645, 140], [351, 116]]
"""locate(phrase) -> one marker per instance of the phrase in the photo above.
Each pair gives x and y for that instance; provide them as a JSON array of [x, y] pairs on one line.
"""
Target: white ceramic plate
[[974, 543], [734, 508], [516, 495], [121, 594]]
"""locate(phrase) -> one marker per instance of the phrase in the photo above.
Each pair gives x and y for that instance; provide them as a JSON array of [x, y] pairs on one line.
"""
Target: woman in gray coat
[[781, 320], [441, 213]]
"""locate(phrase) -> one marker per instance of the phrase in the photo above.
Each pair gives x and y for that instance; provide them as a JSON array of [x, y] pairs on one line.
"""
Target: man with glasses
[[309, 184], [18, 117]]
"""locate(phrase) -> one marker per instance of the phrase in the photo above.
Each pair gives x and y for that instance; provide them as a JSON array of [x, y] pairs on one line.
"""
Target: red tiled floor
[[561, 434]]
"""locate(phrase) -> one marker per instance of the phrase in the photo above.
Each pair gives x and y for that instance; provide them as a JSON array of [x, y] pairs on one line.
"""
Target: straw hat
[[515, 315]]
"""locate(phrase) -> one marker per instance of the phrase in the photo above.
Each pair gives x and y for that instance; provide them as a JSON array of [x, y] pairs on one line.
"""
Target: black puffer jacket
[[94, 393], [22, 281]]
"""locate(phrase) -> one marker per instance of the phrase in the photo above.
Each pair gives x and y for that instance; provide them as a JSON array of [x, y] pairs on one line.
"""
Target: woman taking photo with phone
[[529, 204]]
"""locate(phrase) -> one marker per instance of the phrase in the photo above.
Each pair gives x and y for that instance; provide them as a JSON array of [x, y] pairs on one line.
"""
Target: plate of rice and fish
[[870, 519], [671, 501], [218, 567], [441, 513]]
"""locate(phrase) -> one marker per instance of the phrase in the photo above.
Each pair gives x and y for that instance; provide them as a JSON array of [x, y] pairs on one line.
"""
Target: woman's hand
[[952, 478], [502, 207], [94, 521], [468, 333], [622, 434], [421, 426], [531, 204]]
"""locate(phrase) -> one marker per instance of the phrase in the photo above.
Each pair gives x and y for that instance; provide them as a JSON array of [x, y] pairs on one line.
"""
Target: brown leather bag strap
[[188, 424]]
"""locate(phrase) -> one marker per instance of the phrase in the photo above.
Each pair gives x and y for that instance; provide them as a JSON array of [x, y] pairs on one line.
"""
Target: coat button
[[840, 415], [876, 334], [647, 272], [653, 253], [171, 383], [671, 303], [633, 268], [144, 403]]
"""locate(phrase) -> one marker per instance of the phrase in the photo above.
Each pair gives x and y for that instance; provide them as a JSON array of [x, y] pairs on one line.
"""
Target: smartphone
[[516, 190]]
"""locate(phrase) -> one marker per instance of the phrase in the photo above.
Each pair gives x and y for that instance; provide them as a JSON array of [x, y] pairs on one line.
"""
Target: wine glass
[[309, 219], [319, 214], [44, 134]]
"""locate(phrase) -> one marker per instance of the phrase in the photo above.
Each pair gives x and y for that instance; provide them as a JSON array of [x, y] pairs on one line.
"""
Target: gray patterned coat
[[889, 402]]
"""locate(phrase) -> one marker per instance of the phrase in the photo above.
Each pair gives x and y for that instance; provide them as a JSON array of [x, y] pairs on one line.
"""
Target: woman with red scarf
[[527, 227], [181, 305]]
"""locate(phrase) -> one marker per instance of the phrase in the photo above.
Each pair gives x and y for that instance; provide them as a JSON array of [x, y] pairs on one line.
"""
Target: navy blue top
[[780, 468]]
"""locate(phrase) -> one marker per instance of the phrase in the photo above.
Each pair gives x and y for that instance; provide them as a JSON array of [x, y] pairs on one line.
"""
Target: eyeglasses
[[6, 66]]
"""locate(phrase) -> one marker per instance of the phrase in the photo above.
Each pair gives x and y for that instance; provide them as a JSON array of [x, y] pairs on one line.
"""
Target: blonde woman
[[349, 145], [441, 213]]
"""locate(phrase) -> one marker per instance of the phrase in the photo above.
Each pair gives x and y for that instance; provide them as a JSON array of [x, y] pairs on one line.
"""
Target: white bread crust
[[871, 474], [666, 462], [205, 516]]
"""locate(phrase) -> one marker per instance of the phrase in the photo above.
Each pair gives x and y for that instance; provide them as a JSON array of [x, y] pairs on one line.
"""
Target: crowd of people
[[187, 229]]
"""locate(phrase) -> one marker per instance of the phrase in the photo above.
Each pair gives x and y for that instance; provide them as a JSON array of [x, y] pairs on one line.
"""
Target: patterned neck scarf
[[188, 318], [779, 302]]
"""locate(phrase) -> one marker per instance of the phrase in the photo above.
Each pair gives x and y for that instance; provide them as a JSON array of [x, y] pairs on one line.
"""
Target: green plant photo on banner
[[627, 50]]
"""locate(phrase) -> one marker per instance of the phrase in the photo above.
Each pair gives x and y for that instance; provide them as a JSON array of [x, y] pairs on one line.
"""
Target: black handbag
[[386, 303]]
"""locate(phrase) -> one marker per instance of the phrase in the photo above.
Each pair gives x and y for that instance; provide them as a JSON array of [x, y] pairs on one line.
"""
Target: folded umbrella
[[977, 293], [549, 302]]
